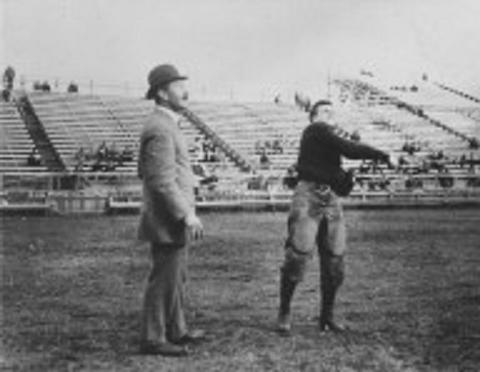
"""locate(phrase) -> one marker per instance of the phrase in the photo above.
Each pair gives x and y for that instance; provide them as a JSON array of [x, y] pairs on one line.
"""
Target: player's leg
[[331, 248], [299, 246]]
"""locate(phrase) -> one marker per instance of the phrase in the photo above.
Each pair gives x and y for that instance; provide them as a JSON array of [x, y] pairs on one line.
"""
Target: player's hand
[[194, 226], [385, 158], [392, 163]]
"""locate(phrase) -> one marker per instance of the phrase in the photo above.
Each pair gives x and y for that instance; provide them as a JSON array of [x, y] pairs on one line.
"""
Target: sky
[[241, 48]]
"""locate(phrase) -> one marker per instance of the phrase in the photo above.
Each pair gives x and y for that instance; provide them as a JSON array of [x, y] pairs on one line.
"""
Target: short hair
[[316, 105], [152, 93]]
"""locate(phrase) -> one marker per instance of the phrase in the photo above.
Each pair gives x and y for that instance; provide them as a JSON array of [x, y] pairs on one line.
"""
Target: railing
[[230, 194], [457, 92], [210, 133]]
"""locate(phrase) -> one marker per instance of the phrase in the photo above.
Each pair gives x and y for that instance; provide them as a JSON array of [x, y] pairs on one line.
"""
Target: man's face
[[175, 93], [324, 113]]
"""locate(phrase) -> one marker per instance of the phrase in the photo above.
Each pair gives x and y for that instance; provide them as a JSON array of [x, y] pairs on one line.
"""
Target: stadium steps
[[457, 92], [38, 134], [15, 142], [229, 151]]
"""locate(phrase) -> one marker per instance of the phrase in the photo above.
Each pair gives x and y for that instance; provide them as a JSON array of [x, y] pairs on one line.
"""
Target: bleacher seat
[[15, 141]]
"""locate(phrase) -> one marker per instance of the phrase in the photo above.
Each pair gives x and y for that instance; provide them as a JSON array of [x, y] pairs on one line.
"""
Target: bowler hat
[[160, 76]]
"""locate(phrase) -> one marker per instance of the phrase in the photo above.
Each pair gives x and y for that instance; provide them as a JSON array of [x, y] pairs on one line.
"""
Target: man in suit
[[168, 218]]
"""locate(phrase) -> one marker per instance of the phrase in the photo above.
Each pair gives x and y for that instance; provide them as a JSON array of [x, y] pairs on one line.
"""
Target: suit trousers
[[163, 317]]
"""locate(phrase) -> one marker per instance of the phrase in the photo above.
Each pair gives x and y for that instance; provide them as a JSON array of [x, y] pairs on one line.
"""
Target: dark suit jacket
[[168, 181]]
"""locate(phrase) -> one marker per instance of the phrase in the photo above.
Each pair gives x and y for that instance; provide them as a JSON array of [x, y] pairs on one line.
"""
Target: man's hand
[[385, 158], [194, 226]]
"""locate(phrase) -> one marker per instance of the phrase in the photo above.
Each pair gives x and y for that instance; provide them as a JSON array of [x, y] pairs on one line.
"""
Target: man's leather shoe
[[192, 337], [164, 349]]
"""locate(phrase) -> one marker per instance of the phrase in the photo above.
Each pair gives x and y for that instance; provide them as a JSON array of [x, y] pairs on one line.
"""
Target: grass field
[[72, 290]]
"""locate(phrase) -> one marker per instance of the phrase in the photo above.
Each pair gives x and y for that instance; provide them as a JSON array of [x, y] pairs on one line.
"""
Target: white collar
[[172, 114]]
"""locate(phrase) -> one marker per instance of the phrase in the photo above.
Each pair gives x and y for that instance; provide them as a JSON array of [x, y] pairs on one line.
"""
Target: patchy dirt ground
[[72, 289]]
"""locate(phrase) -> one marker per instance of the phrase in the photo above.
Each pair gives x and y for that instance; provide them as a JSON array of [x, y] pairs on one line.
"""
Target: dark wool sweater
[[321, 149]]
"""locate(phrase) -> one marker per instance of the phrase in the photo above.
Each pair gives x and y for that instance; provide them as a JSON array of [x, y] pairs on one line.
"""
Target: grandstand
[[435, 113], [86, 121], [243, 135], [244, 125], [74, 121]]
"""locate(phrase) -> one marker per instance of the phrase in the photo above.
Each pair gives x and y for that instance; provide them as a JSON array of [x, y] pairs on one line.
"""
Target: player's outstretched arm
[[355, 150]]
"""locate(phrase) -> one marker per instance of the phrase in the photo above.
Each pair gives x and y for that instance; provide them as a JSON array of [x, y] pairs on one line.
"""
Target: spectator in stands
[[206, 151], [72, 87], [472, 163], [221, 158], [90, 154], [205, 177], [258, 147], [473, 143], [197, 152], [80, 158], [277, 147], [34, 159], [37, 86], [213, 158], [384, 184], [364, 167], [446, 181], [112, 151], [425, 166], [8, 78], [102, 151], [462, 161], [277, 99], [104, 159], [296, 99], [46, 86], [372, 185], [437, 165], [413, 183], [410, 147], [290, 179], [264, 160], [127, 154]]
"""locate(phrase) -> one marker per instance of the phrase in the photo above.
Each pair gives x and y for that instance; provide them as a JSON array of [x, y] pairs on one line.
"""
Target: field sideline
[[72, 289]]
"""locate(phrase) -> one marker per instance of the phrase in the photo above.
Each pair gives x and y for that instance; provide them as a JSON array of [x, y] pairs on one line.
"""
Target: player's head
[[167, 86], [321, 110]]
